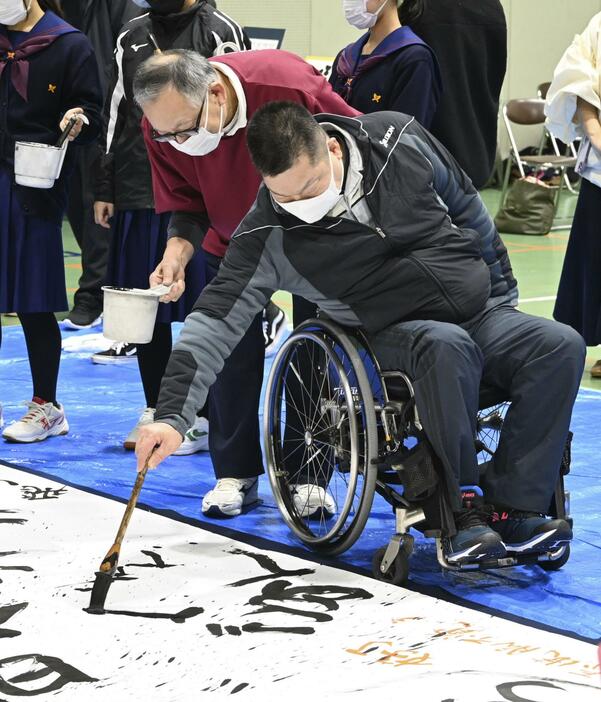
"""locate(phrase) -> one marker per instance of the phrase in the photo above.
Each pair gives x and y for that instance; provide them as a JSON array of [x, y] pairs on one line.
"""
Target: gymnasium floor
[[206, 607]]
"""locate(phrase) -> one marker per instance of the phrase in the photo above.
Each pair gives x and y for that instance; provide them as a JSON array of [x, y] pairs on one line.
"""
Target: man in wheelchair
[[373, 220]]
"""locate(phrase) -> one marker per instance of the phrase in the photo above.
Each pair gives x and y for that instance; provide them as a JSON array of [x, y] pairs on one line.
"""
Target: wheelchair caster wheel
[[558, 563], [398, 573]]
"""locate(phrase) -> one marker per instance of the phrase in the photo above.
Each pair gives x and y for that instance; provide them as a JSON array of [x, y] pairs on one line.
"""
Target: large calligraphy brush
[[108, 567]]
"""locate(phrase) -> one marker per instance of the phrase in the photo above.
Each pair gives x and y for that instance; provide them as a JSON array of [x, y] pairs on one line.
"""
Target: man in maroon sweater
[[196, 111]]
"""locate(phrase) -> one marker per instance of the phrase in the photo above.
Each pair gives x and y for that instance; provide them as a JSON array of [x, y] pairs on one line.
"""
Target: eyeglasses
[[172, 136]]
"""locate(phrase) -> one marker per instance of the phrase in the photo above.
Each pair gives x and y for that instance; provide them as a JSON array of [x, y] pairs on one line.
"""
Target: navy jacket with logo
[[434, 253]]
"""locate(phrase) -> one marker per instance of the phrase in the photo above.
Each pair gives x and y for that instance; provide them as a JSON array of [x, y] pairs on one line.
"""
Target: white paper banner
[[194, 615]]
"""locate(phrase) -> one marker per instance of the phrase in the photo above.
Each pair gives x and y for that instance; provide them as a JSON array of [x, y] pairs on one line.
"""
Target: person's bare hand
[[103, 212], [155, 443], [172, 269], [78, 126]]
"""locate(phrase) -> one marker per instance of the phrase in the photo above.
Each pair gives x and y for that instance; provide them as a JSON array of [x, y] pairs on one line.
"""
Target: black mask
[[165, 7]]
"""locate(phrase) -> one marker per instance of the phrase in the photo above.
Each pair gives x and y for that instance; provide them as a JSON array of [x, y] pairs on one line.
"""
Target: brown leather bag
[[529, 208]]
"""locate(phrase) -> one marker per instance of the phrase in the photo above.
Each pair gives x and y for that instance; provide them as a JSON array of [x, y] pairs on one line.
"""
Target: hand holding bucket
[[39, 165], [130, 313]]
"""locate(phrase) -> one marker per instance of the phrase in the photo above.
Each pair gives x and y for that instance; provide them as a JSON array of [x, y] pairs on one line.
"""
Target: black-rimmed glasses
[[172, 136]]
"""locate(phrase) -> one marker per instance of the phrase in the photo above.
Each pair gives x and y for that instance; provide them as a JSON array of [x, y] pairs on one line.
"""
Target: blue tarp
[[103, 402]]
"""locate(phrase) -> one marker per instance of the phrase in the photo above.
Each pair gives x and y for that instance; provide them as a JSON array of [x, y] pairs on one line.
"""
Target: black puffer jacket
[[432, 253]]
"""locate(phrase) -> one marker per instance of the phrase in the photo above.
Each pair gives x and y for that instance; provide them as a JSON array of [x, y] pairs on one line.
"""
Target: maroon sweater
[[224, 183]]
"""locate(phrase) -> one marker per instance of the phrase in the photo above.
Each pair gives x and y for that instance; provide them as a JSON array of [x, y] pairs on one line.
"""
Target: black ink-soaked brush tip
[[99, 592]]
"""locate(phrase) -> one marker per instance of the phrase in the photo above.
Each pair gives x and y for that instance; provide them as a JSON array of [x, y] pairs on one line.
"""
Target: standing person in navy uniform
[[470, 41], [390, 67], [48, 74], [101, 21], [123, 189]]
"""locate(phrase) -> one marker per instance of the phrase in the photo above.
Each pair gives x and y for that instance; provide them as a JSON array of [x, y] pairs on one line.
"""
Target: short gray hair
[[186, 71]]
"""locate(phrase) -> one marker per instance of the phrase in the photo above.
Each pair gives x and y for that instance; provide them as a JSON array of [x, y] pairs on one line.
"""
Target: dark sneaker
[[530, 532], [475, 540], [274, 327], [86, 313], [118, 353]]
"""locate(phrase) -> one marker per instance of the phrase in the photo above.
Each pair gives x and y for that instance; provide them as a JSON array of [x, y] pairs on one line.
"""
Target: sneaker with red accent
[[530, 532], [41, 421]]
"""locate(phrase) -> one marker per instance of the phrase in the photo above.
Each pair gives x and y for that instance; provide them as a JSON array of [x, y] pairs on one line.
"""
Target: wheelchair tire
[[318, 378], [398, 573], [558, 563], [489, 424]]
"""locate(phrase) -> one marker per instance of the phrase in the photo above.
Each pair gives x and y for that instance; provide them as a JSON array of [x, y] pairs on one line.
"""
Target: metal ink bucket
[[38, 165], [130, 313]]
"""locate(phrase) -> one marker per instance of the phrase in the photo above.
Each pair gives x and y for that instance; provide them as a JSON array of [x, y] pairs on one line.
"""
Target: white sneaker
[[147, 417], [312, 501], [40, 422], [196, 439], [228, 497]]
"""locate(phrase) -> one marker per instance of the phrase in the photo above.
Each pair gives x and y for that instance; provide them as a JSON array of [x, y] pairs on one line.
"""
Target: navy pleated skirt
[[139, 238], [579, 296], [32, 266]]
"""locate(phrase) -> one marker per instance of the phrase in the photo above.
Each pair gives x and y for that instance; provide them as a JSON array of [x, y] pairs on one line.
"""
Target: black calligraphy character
[[5, 614], [40, 667], [507, 689], [10, 520], [30, 492], [158, 562], [326, 596], [267, 564]]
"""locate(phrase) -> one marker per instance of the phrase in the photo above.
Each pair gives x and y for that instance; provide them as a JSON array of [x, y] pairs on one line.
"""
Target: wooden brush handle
[[109, 564]]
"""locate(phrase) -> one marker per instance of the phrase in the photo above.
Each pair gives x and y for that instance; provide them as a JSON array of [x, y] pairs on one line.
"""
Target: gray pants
[[536, 362]]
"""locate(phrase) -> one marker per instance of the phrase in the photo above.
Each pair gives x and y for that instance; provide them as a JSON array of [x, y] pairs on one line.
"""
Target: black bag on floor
[[529, 208]]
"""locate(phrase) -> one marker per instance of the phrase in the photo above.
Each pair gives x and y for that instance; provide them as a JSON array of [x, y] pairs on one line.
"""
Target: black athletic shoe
[[530, 532], [274, 327], [118, 353], [475, 540], [86, 313]]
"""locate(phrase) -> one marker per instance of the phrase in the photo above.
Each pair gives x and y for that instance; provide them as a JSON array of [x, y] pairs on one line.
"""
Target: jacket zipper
[[438, 284]]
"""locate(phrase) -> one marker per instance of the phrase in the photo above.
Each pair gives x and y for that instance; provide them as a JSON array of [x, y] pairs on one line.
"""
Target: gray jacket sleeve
[[245, 283]]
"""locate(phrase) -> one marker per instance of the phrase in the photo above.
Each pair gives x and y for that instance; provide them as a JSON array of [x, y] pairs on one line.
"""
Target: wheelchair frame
[[415, 469]]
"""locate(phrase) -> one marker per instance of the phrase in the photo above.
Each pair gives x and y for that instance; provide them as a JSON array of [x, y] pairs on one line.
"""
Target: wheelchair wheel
[[321, 437], [398, 573], [557, 563], [489, 425]]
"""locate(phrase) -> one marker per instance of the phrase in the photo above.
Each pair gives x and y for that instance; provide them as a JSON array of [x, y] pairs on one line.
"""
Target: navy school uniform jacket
[[61, 76], [433, 253], [401, 74]]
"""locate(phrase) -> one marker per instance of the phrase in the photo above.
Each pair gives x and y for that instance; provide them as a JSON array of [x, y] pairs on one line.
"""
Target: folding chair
[[571, 149], [531, 111]]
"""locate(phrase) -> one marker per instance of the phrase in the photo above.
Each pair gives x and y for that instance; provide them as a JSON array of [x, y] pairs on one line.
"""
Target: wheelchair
[[334, 420]]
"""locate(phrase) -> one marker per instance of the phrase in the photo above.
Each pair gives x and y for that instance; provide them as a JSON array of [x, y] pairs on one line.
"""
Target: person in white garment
[[573, 108]]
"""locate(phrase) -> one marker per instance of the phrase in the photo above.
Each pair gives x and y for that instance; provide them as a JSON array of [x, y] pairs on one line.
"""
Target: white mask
[[204, 141], [13, 11], [356, 13], [315, 208]]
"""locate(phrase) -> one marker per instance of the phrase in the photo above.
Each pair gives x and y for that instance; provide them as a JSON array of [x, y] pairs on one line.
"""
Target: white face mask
[[356, 13], [13, 11], [315, 208], [204, 141]]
